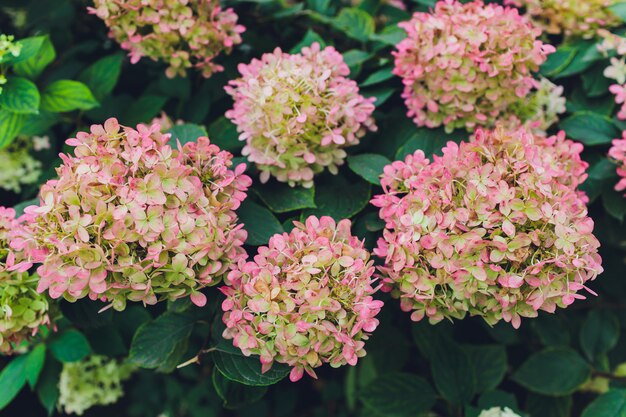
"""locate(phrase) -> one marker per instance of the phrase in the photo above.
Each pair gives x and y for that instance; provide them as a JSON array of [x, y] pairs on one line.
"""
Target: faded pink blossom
[[305, 300], [493, 228], [617, 153], [130, 218]]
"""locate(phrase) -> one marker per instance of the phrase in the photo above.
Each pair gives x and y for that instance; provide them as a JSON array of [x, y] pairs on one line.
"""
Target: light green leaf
[[619, 10], [33, 67], [12, 380], [34, 364], [30, 47], [20, 95], [101, 76], [10, 125], [355, 23], [66, 95]]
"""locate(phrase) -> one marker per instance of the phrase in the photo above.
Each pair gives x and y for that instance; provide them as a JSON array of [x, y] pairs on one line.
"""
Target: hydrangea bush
[[324, 253]]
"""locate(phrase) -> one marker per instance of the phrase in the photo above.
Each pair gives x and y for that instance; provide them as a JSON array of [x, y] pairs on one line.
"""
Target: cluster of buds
[[617, 153], [8, 49], [570, 18], [297, 113], [493, 228], [305, 300], [22, 309], [130, 218], [96, 380], [19, 166], [466, 65], [183, 33]]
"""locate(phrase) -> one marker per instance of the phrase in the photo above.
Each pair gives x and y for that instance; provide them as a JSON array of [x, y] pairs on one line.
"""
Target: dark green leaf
[[246, 369], [86, 313], [431, 141], [66, 95], [34, 66], [340, 200], [38, 124], [309, 38], [398, 395], [368, 166], [542, 406], [391, 35], [47, 387], [234, 394], [34, 364], [558, 61], [599, 333], [611, 404], [551, 330], [489, 363], [281, 198], [355, 23], [12, 380], [378, 77], [554, 371], [590, 128], [453, 373], [259, 222], [144, 109], [70, 346], [185, 133], [156, 340], [10, 126], [614, 203], [223, 133], [101, 76]]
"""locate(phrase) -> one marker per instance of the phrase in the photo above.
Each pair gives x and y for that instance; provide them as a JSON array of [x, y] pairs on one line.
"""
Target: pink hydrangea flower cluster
[[22, 309], [570, 17], [493, 228], [465, 65], [183, 33], [305, 300], [130, 218], [297, 112], [617, 153]]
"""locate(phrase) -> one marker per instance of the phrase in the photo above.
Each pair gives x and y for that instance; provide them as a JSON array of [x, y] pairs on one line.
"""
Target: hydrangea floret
[[8, 49], [130, 218], [22, 309], [542, 107], [617, 153], [305, 299], [465, 65], [493, 228], [183, 33], [570, 17], [297, 113], [19, 166], [498, 412], [96, 380]]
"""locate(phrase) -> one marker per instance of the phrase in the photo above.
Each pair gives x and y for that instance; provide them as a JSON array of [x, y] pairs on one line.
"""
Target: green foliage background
[[71, 75]]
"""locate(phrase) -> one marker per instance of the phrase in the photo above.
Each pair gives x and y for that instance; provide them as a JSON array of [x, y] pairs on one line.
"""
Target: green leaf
[[355, 23], [101, 76], [368, 166], [340, 200], [599, 333], [144, 109], [590, 128], [223, 133], [85, 313], [614, 203], [34, 364], [70, 346], [542, 406], [619, 10], [281, 198], [430, 141], [610, 404], [156, 340], [554, 371], [65, 95], [391, 35], [453, 373], [246, 369], [551, 330], [310, 37], [259, 222], [558, 61], [489, 363], [30, 47], [38, 124], [381, 94], [378, 77], [234, 394], [398, 395], [188, 132], [20, 95], [48, 385], [10, 126], [33, 67], [12, 380]]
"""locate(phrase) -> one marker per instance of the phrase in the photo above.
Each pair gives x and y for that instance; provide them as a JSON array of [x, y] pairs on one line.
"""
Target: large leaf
[[368, 166], [599, 333], [246, 369], [489, 364], [611, 404], [453, 373], [340, 200], [281, 198], [234, 394], [590, 128], [66, 95], [34, 364], [223, 133], [20, 95], [184, 133], [30, 47], [398, 395], [10, 125], [259, 222], [12, 380], [48, 385], [156, 340], [355, 23], [70, 346], [33, 67], [86, 313], [101, 76], [554, 371]]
